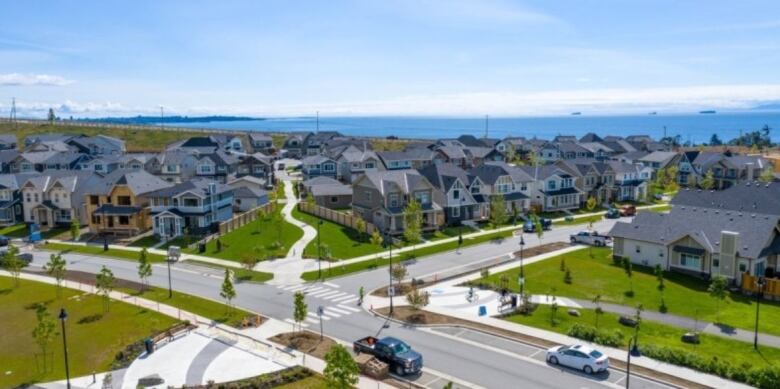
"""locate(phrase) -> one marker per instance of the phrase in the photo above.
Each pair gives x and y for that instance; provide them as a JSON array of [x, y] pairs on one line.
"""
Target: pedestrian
[[360, 294]]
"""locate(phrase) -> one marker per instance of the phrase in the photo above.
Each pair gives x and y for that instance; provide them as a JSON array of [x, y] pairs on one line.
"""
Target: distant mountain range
[[768, 107], [171, 119]]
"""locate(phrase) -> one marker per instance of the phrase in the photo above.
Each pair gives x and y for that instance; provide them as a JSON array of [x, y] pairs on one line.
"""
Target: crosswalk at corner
[[338, 303]]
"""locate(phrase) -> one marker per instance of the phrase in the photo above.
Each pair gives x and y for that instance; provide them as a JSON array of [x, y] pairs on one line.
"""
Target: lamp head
[[63, 315]]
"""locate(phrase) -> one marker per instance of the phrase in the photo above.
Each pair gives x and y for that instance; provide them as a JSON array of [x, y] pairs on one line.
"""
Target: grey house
[[451, 192]]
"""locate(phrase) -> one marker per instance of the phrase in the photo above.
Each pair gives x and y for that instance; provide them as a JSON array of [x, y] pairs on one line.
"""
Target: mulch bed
[[413, 317], [401, 289], [543, 249], [306, 342]]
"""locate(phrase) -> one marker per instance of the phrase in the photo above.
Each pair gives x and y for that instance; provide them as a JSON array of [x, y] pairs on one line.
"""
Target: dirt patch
[[417, 317], [543, 249], [401, 289], [305, 341]]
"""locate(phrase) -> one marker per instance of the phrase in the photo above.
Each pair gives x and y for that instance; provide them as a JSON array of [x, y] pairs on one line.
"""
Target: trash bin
[[514, 300], [149, 345], [201, 248]]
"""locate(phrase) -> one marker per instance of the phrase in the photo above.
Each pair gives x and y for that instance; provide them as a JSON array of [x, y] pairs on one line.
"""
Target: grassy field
[[241, 274], [93, 337], [654, 333], [313, 382], [257, 238], [98, 251], [343, 242], [684, 295], [330, 270]]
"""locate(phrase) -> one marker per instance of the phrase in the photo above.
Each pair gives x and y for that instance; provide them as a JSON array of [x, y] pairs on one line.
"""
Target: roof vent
[[747, 183], [753, 216]]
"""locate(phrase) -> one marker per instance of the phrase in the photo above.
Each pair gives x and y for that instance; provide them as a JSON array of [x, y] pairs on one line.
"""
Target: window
[[369, 165], [135, 166], [455, 211], [638, 248], [742, 267], [124, 220], [422, 197], [690, 261], [171, 168], [206, 169], [94, 200], [715, 262], [334, 199], [258, 169], [456, 194], [28, 197], [393, 200], [566, 183], [328, 167], [123, 200], [95, 219], [551, 185], [367, 195], [36, 197], [475, 189]]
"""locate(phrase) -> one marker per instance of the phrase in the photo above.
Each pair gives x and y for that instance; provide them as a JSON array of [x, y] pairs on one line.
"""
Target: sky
[[388, 57]]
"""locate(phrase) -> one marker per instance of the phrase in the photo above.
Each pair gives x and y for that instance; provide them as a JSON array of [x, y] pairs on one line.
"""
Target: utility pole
[[318, 121], [486, 126], [12, 117], [162, 118]]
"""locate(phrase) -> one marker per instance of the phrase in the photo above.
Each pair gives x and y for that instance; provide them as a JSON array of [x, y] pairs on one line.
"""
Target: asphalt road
[[487, 364]]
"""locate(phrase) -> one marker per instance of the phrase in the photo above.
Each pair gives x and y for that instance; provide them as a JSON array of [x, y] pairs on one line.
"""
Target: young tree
[[417, 299], [413, 218], [56, 268], [511, 153], [554, 312], [598, 311], [399, 272], [562, 266], [104, 282], [278, 219], [341, 371], [627, 267], [300, 308], [249, 261], [260, 215], [708, 182], [497, 211], [538, 229], [51, 116], [659, 275], [144, 268], [12, 263], [718, 290], [591, 204], [360, 225], [228, 292], [567, 276], [715, 140], [767, 176], [376, 238], [44, 332], [75, 229]]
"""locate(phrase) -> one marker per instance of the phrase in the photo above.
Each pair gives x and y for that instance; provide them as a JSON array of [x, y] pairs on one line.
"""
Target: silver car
[[578, 357]]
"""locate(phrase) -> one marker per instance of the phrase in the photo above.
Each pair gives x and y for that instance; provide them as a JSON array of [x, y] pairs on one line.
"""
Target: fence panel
[[337, 217]]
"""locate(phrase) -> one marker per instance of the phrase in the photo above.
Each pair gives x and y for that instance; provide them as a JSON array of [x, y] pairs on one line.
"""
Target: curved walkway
[[288, 270]]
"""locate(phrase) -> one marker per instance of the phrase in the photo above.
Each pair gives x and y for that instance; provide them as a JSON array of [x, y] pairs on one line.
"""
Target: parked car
[[590, 238], [529, 226], [578, 357], [401, 358], [627, 210], [612, 213], [4, 241]]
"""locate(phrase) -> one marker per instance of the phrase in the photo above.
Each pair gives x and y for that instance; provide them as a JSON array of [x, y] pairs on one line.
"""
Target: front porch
[[48, 216], [119, 220]]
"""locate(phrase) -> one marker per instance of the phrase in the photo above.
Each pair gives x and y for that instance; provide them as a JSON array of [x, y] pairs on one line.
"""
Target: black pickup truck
[[401, 358]]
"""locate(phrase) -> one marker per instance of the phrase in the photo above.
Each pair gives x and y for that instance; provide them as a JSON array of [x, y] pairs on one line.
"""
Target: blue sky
[[388, 57]]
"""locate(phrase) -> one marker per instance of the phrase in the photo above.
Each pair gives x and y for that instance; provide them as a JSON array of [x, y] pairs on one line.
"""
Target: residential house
[[573, 150], [728, 169], [209, 144], [451, 191], [175, 166], [500, 179], [247, 198], [352, 162], [55, 198], [262, 143], [97, 145], [256, 165], [7, 157], [8, 142], [47, 137], [293, 145], [658, 160], [11, 199], [329, 193], [195, 207], [27, 162], [379, 197], [410, 158], [553, 189], [631, 181], [319, 165], [118, 205], [315, 142]]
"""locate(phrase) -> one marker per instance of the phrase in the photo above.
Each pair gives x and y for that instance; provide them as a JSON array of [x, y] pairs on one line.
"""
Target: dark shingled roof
[[752, 197]]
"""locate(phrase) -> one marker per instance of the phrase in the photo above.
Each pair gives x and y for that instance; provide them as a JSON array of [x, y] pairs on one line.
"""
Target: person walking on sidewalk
[[360, 296]]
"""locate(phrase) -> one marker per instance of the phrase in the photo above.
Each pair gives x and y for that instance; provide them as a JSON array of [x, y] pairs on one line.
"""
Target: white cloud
[[19, 79]]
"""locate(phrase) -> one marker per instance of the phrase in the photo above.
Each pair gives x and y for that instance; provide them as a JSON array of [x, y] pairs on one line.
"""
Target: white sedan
[[578, 357]]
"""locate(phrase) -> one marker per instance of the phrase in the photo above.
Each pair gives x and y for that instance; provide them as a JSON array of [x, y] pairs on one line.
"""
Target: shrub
[[567, 276], [592, 334], [767, 377]]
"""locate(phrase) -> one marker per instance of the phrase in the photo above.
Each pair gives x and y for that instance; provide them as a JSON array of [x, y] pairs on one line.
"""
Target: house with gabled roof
[[55, 198], [256, 165], [196, 206], [379, 197], [319, 165], [553, 188], [8, 142], [262, 143], [409, 158], [11, 198], [353, 161], [451, 192], [500, 179]]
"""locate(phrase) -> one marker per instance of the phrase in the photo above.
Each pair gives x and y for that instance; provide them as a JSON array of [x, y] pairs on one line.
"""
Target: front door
[[110, 221], [43, 217]]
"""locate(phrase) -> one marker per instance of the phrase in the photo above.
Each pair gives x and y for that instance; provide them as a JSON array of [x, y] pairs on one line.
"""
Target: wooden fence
[[243, 219], [771, 289], [337, 217]]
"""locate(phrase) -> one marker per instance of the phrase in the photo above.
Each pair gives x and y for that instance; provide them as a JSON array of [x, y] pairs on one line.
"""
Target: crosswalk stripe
[[349, 301], [334, 296], [314, 315], [353, 309], [312, 290], [337, 310], [331, 314], [331, 285], [342, 298], [331, 293], [313, 321], [295, 288], [291, 321]]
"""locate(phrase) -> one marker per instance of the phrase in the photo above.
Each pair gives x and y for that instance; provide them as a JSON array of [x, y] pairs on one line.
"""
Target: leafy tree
[[51, 116], [598, 311], [376, 238], [278, 219], [511, 153], [627, 267], [767, 175], [56, 268], [718, 290], [591, 204], [498, 214], [228, 291], [417, 299], [44, 331], [413, 218], [708, 182], [567, 276], [12, 263], [715, 140], [104, 282], [249, 261], [399, 272], [562, 267], [447, 386], [300, 308], [341, 370], [310, 202], [260, 215], [219, 245], [360, 225], [75, 229], [144, 268], [638, 319]]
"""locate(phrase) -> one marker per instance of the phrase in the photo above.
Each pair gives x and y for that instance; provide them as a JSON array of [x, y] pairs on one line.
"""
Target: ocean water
[[694, 127]]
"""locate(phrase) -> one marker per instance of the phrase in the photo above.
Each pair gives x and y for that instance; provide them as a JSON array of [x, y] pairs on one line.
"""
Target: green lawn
[[579, 220], [330, 270], [94, 338], [256, 238], [343, 242], [241, 274], [98, 251], [448, 232], [210, 309], [146, 241], [654, 333], [684, 295], [313, 382], [15, 231]]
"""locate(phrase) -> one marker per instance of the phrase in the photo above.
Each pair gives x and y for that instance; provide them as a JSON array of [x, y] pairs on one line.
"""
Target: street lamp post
[[760, 282], [628, 360], [389, 244], [173, 255], [170, 284], [522, 272], [64, 316], [319, 252]]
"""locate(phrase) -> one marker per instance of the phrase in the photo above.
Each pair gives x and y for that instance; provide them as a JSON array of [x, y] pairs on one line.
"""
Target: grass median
[[331, 270], [241, 274]]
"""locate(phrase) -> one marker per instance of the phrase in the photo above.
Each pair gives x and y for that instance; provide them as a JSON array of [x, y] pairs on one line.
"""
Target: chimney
[[750, 171]]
